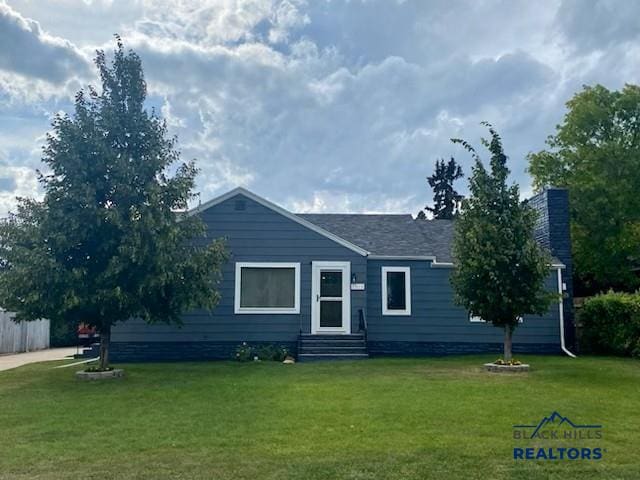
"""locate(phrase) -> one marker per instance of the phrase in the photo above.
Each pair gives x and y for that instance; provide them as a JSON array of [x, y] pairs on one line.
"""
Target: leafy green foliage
[[500, 269], [611, 324], [595, 153], [272, 352], [106, 243], [97, 368], [511, 362], [244, 352], [446, 200], [268, 352], [63, 334]]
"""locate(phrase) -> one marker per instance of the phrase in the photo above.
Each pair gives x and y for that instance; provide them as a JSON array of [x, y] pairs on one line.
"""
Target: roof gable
[[285, 213]]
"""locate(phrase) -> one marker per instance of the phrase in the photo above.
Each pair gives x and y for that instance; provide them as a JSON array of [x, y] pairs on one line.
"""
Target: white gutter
[[436, 264], [429, 258], [561, 310], [402, 257]]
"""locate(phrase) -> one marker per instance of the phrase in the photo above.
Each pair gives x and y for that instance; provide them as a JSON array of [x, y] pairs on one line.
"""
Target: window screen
[[267, 287], [396, 291]]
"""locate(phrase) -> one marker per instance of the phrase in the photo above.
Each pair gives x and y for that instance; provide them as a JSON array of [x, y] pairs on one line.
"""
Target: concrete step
[[337, 343], [304, 357], [333, 350], [355, 336], [313, 348]]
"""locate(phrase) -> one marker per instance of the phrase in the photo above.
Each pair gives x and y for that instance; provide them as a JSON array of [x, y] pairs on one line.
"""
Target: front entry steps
[[332, 347]]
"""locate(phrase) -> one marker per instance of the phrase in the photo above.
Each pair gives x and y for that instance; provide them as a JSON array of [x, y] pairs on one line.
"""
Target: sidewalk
[[14, 360]]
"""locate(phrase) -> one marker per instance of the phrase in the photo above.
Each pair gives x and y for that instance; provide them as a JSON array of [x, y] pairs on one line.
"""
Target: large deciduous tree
[[499, 267], [109, 242], [446, 200], [595, 154]]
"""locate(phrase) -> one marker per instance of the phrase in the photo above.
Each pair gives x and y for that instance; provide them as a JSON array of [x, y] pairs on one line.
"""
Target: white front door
[[330, 297]]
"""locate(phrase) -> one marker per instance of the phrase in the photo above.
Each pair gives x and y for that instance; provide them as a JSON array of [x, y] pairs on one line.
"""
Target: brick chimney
[[552, 231]]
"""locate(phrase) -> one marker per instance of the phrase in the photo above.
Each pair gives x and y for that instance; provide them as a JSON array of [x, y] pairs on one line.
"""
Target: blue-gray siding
[[435, 318], [255, 234]]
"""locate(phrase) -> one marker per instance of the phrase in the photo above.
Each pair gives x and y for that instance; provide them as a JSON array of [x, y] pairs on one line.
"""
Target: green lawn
[[382, 418]]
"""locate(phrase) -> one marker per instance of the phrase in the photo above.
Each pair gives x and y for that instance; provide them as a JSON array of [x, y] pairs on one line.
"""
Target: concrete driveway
[[14, 360]]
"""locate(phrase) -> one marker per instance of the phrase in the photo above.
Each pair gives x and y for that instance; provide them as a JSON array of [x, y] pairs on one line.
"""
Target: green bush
[[247, 353], [272, 352], [611, 324], [244, 352]]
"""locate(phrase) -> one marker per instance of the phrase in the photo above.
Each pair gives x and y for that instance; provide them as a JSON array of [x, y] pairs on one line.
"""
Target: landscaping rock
[[496, 368], [115, 373], [289, 360]]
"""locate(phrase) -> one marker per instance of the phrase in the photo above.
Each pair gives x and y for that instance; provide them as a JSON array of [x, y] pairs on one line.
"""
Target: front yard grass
[[375, 419]]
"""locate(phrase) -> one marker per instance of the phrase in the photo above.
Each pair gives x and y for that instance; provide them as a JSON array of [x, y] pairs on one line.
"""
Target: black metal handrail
[[362, 323]]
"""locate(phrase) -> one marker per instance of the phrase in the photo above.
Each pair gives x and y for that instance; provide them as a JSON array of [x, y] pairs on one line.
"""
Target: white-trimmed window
[[267, 287], [476, 319], [396, 291]]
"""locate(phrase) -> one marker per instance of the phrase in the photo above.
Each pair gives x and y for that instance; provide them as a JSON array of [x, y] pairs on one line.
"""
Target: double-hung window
[[396, 291], [267, 287]]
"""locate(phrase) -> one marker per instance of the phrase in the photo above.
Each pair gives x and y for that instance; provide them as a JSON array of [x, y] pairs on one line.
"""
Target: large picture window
[[396, 291], [267, 288]]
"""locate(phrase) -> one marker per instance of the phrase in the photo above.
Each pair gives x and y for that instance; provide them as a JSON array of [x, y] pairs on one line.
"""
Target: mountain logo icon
[[555, 420]]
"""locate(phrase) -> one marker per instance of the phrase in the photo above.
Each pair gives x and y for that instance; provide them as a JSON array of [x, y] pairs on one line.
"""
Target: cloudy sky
[[319, 105]]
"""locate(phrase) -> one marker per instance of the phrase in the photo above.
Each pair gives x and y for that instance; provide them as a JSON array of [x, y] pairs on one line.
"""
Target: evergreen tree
[[107, 242], [446, 201], [500, 268]]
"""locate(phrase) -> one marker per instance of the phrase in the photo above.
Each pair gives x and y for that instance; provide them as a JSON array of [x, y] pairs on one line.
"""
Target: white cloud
[[16, 182], [286, 17], [326, 106], [30, 51]]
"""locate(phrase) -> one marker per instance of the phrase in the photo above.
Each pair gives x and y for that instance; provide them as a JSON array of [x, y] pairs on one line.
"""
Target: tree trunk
[[105, 341], [508, 334]]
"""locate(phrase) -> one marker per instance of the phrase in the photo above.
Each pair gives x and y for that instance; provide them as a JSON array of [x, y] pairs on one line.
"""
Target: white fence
[[23, 336]]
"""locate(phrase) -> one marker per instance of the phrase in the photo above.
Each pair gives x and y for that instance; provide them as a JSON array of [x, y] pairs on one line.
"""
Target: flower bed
[[506, 367], [100, 375]]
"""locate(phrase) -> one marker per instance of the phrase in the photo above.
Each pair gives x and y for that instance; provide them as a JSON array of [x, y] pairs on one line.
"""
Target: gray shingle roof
[[389, 235], [439, 237], [392, 235]]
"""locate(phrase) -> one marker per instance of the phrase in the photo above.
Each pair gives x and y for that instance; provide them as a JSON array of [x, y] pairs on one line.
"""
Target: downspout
[[561, 310]]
